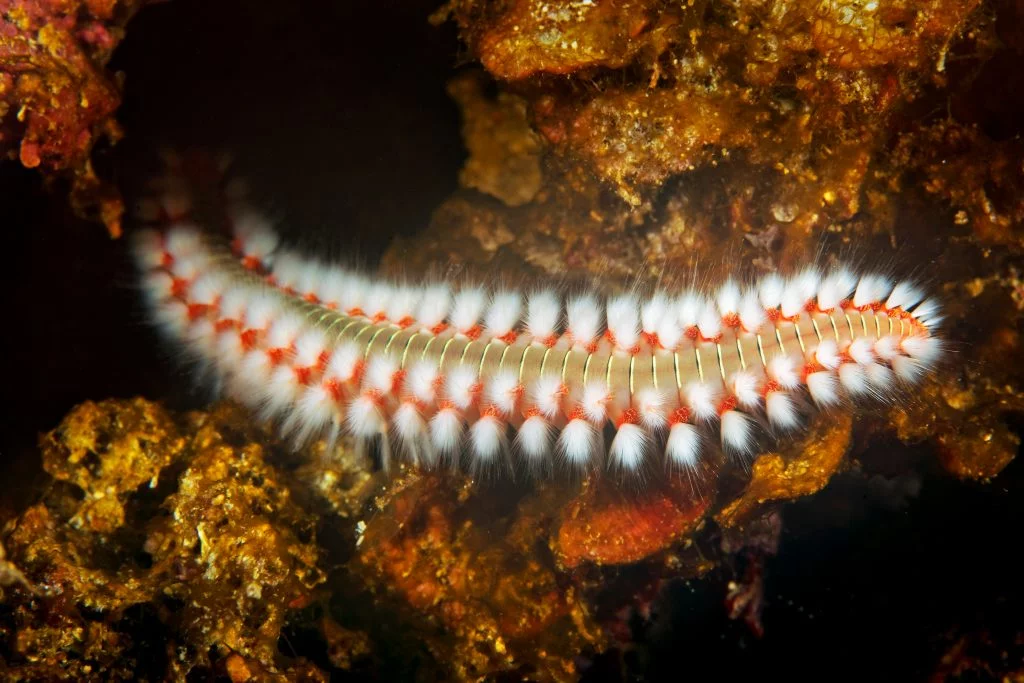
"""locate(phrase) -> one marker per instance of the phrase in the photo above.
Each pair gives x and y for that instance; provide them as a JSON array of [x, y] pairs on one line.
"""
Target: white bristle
[[467, 307], [623, 317], [315, 410], [927, 312], [628, 447], [402, 304], [904, 295], [836, 288], [309, 346], [854, 379], [770, 290], [533, 439], [577, 442], [547, 393], [503, 391], [287, 269], [189, 267], [158, 286], [461, 386], [378, 295], [380, 374], [887, 347], [795, 295], [823, 388], [650, 404], [709, 323], [595, 401], [908, 369], [284, 330], [543, 312], [229, 351], [280, 392], [262, 309], [861, 350], [683, 445], [423, 380], [653, 311], [434, 306], [808, 280], [446, 428], [309, 278], [487, 439], [503, 313], [331, 287], [183, 241], [669, 332], [744, 386], [781, 410], [364, 417], [925, 350], [344, 363], [256, 235], [783, 369], [871, 289], [827, 354], [234, 301], [689, 309], [252, 375], [752, 315], [701, 399], [412, 433], [728, 298], [202, 335], [354, 295], [737, 432], [882, 378]]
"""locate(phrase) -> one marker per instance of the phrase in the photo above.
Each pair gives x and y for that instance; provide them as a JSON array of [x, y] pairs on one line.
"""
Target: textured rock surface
[[176, 531], [56, 99]]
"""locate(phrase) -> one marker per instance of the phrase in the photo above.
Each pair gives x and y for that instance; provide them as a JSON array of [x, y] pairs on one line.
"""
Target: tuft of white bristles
[[623, 317], [534, 438], [487, 438], [543, 313], [467, 308], [737, 433], [503, 391], [503, 313], [683, 447], [583, 316], [577, 443], [629, 447]]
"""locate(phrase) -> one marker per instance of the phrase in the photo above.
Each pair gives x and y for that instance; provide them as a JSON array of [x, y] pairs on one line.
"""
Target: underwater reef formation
[[166, 543], [56, 98], [176, 544], [606, 140]]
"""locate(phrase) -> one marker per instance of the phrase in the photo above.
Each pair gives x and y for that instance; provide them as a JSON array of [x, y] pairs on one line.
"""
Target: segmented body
[[434, 372]]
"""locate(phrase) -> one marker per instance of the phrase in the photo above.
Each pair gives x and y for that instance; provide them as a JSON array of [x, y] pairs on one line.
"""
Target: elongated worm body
[[436, 373]]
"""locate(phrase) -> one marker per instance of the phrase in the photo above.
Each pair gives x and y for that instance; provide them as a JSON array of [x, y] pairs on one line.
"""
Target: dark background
[[335, 112]]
